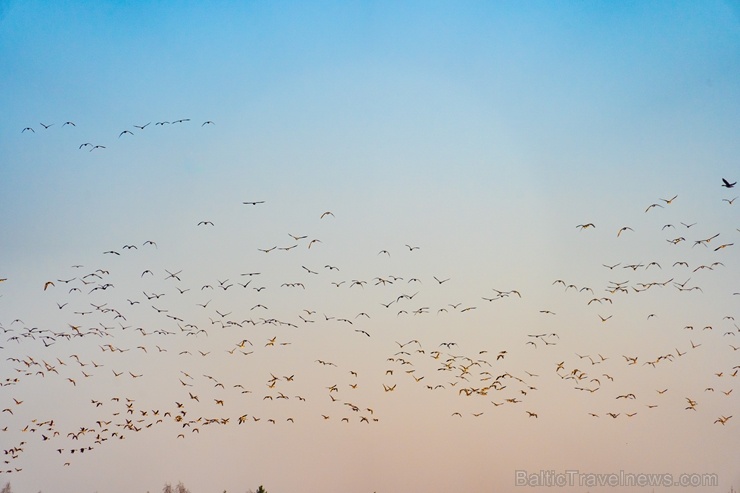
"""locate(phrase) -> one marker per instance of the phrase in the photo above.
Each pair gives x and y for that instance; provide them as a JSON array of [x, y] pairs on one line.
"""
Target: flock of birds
[[124, 133], [253, 347]]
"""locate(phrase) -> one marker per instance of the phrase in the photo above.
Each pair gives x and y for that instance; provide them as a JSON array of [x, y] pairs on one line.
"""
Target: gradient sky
[[482, 133]]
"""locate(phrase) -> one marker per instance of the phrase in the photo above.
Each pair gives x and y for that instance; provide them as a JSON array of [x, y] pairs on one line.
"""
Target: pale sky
[[409, 185]]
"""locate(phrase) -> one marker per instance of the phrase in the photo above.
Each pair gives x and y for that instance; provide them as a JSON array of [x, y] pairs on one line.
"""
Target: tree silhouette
[[180, 488]]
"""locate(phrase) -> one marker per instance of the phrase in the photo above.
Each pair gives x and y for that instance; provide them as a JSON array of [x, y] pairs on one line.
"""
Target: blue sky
[[481, 132]]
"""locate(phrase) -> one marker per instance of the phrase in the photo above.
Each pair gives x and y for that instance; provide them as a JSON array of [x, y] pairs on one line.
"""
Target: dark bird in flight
[[254, 203], [725, 183], [142, 127], [668, 201], [28, 128], [125, 132]]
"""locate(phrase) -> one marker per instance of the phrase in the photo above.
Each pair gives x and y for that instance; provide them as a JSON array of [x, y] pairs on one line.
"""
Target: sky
[[369, 246]]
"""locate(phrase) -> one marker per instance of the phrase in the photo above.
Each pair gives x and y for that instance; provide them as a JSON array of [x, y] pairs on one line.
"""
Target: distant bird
[[327, 213], [584, 226], [205, 223], [209, 122], [142, 127], [49, 125], [254, 203], [28, 128], [668, 201], [725, 183], [125, 132]]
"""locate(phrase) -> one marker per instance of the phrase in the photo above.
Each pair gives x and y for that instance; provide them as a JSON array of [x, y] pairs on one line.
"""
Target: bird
[[256, 202], [327, 213], [727, 184], [584, 226]]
